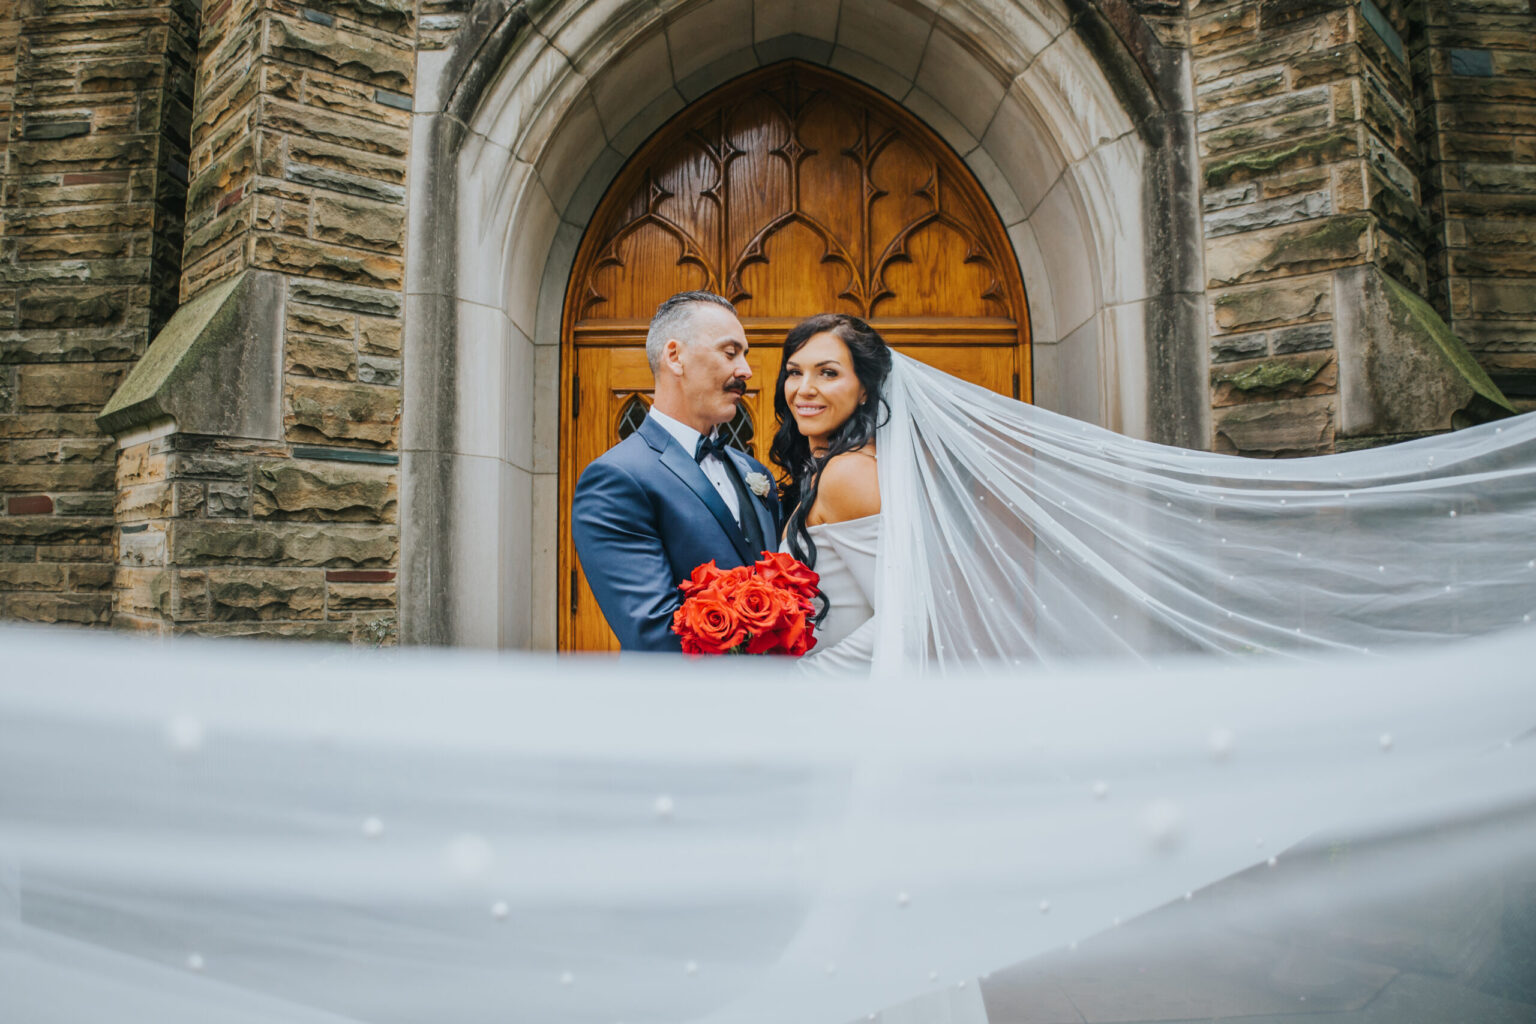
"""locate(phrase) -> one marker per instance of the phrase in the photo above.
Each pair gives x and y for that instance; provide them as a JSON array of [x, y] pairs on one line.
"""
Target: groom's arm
[[617, 540]]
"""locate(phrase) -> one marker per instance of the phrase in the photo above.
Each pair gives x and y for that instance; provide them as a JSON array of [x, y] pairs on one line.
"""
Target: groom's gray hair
[[674, 319]]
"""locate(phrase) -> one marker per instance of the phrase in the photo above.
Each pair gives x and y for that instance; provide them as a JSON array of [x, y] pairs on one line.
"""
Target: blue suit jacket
[[644, 517]]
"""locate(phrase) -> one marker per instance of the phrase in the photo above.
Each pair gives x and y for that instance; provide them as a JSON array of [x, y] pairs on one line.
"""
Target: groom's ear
[[672, 356]]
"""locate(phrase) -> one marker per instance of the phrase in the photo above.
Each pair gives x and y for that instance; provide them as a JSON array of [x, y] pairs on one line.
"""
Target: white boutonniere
[[759, 483]]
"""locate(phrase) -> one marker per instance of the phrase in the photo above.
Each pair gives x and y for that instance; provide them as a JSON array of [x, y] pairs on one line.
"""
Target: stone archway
[[522, 126]]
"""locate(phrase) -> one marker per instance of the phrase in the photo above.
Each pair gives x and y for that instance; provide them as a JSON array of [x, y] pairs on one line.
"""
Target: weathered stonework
[[1474, 67], [95, 100], [1318, 127], [1333, 235], [288, 337]]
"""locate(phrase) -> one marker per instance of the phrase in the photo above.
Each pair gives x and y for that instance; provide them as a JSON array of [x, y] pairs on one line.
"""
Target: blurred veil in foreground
[[270, 834]]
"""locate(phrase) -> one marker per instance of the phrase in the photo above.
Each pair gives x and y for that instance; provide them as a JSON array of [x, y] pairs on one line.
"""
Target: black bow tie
[[708, 445]]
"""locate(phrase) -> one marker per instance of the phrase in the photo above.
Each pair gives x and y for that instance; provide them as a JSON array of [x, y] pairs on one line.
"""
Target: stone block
[[340, 545], [99, 504], [328, 358], [1308, 101], [263, 595], [54, 530], [139, 465], [76, 609], [1305, 338], [335, 130], [322, 631], [1224, 29], [65, 387], [142, 547], [1281, 156], [1515, 299], [32, 576], [1274, 303], [354, 298], [190, 498], [1241, 88], [310, 258], [373, 369], [379, 336], [211, 465], [189, 596], [327, 412], [57, 309], [1293, 249], [1323, 36], [228, 499], [88, 578], [313, 491], [47, 425], [320, 322], [1268, 214], [55, 477], [142, 592], [1296, 427], [1210, 202], [367, 56], [346, 182], [352, 597], [359, 223], [1274, 378]]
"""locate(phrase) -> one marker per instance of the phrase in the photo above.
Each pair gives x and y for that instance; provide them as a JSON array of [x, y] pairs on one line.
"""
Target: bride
[[953, 527]]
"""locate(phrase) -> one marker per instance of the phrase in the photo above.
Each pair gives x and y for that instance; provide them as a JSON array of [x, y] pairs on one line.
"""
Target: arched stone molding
[[521, 126]]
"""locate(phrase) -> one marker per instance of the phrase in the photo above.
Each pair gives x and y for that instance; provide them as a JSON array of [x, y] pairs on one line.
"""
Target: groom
[[672, 495]]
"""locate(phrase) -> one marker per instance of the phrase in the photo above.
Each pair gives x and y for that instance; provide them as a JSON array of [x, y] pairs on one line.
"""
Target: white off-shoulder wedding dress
[[845, 561]]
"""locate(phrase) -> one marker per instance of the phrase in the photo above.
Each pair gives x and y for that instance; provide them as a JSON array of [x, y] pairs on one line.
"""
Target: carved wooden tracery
[[792, 192]]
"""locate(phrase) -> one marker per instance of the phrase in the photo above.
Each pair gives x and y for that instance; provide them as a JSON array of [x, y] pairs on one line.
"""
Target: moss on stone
[[1333, 239], [1252, 165], [1268, 376], [1414, 314]]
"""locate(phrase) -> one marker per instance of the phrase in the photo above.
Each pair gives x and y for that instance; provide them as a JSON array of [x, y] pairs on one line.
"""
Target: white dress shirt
[[712, 466]]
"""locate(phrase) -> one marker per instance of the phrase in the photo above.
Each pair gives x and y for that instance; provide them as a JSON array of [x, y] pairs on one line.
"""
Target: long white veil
[[1012, 533], [222, 833]]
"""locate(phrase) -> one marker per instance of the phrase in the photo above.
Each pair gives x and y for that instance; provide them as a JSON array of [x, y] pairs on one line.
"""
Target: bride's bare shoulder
[[849, 488]]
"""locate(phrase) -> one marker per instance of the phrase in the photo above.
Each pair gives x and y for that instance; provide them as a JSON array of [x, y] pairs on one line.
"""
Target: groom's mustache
[[737, 387]]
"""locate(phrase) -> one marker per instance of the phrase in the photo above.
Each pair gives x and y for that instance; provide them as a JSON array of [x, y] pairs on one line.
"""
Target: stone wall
[[281, 517], [96, 97], [1307, 148], [1474, 63], [1316, 141]]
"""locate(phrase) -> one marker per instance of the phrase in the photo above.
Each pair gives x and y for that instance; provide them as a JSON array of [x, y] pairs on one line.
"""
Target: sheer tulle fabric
[[260, 834], [1012, 533]]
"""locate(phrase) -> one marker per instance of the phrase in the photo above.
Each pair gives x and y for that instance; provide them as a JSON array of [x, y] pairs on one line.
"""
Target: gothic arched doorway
[[791, 191]]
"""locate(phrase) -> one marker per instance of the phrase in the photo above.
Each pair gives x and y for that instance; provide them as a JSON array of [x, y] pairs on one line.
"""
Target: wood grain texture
[[791, 191]]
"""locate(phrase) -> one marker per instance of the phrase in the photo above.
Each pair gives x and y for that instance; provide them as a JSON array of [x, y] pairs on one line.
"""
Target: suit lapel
[[744, 467], [685, 469]]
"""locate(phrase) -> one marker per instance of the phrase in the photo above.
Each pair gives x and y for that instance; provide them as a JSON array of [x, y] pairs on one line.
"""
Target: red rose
[[707, 624], [758, 606], [701, 577], [782, 569]]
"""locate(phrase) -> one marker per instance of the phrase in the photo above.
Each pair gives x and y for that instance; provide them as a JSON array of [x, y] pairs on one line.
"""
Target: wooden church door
[[791, 191]]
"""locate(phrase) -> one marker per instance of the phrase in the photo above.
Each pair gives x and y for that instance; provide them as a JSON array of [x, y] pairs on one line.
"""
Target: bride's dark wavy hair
[[791, 452]]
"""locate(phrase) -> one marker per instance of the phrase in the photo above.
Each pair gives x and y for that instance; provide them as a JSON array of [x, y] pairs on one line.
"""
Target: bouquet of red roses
[[763, 608]]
